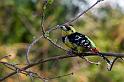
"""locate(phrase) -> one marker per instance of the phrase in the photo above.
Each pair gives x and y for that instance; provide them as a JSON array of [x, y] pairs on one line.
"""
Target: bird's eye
[[64, 28]]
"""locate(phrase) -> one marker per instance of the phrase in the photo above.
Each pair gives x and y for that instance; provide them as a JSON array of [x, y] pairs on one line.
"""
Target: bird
[[78, 42]]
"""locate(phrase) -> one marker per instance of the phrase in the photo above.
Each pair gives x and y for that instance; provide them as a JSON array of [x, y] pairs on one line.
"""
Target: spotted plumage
[[78, 42]]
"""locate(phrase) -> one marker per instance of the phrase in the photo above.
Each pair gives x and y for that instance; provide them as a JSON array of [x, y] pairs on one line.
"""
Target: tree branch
[[60, 58], [82, 13]]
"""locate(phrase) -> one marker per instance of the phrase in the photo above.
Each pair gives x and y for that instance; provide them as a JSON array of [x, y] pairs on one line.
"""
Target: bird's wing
[[80, 40]]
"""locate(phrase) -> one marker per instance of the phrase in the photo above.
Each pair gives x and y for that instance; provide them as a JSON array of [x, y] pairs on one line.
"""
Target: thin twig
[[29, 48], [6, 56], [18, 75], [31, 77], [15, 68], [42, 27], [109, 69], [12, 65], [43, 31], [87, 60], [43, 16], [61, 57], [82, 13], [60, 76], [40, 77], [9, 67], [54, 44]]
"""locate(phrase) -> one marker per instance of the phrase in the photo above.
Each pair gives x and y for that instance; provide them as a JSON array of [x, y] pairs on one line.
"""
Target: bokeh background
[[20, 25]]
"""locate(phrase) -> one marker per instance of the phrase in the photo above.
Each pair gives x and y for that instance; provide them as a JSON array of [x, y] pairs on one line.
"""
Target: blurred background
[[20, 25]]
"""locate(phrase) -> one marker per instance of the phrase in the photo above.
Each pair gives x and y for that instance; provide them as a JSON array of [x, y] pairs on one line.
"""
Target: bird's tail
[[94, 50], [106, 59]]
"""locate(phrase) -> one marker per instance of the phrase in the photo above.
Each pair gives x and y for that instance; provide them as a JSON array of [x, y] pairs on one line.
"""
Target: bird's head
[[67, 29]]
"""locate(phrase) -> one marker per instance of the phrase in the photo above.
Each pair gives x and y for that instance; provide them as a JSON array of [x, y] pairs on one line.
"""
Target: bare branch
[[60, 58], [6, 56], [29, 48], [18, 75], [109, 69], [43, 16], [54, 44], [60, 76], [87, 60], [82, 13], [42, 29]]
